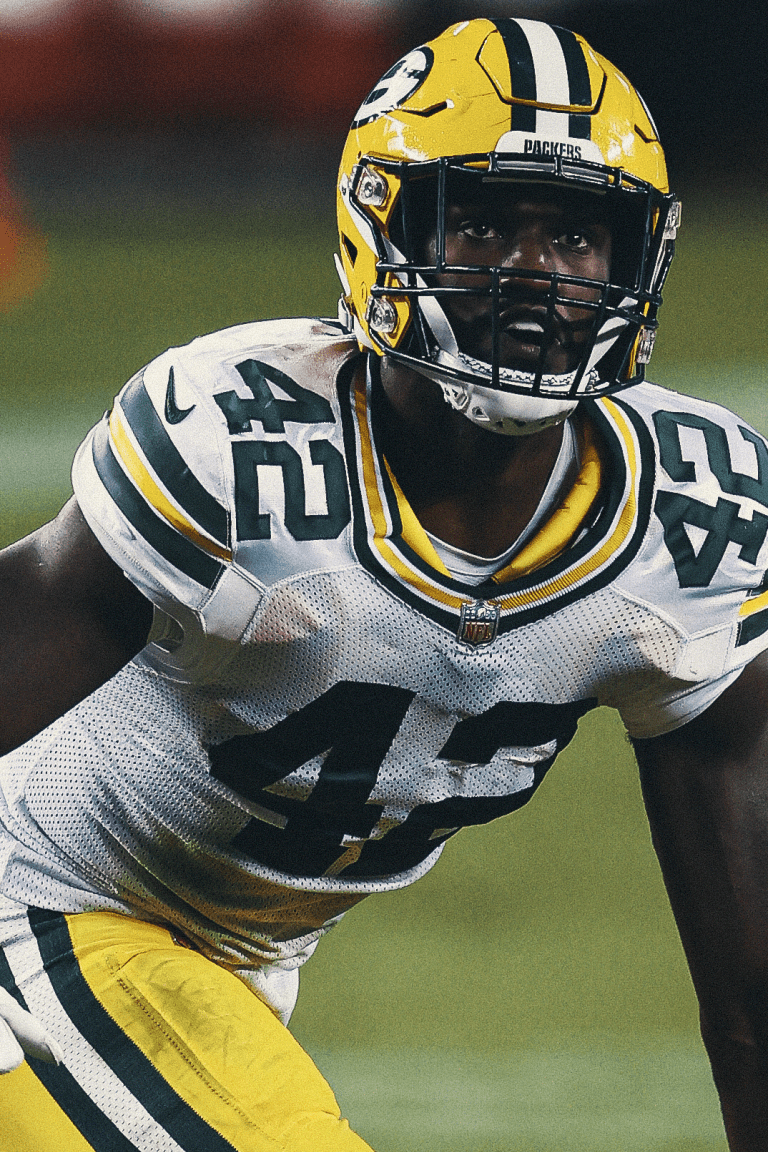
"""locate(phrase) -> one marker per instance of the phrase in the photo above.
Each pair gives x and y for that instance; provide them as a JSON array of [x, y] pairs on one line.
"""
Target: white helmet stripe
[[553, 125], [552, 82], [547, 66]]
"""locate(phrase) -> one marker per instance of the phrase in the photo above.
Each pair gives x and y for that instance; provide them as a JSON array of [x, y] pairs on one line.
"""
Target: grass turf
[[598, 1098]]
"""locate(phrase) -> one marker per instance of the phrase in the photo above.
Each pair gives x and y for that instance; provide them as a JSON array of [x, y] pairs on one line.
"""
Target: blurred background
[[167, 168]]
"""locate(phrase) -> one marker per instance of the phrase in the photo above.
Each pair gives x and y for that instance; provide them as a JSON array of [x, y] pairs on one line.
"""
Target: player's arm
[[706, 793], [69, 619]]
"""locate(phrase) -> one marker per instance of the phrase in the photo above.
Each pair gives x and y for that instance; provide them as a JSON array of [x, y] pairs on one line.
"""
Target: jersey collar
[[592, 530]]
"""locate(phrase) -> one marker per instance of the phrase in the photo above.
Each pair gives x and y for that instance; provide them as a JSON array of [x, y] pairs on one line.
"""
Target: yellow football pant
[[163, 1049]]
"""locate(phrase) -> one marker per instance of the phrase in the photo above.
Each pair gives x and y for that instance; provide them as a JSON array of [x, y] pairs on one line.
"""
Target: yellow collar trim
[[623, 527], [413, 532], [556, 533], [382, 529]]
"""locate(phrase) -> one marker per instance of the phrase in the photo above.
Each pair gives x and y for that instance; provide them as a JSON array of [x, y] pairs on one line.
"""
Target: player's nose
[[527, 252]]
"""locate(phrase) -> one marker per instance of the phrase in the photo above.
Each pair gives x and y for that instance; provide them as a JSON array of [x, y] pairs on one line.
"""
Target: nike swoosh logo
[[174, 414]]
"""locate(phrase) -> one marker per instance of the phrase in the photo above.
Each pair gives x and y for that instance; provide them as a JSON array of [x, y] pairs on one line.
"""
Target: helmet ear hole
[[351, 249]]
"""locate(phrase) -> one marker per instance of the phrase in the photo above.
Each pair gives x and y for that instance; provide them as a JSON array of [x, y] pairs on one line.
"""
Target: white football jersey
[[322, 705]]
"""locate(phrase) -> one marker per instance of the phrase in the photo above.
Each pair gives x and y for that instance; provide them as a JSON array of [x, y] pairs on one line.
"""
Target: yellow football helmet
[[522, 102]]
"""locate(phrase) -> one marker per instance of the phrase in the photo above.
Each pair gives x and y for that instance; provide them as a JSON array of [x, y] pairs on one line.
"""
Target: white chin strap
[[508, 413]]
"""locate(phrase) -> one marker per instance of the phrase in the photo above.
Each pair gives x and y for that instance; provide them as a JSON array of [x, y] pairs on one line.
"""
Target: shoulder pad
[[155, 478]]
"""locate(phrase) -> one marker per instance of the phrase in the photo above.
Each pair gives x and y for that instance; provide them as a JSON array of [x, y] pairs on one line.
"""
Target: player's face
[[539, 232]]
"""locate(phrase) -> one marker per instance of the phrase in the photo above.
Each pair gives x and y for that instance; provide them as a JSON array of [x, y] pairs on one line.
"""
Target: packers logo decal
[[396, 86]]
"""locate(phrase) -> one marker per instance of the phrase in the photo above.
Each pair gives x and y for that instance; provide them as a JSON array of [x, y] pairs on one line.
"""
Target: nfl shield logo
[[479, 623]]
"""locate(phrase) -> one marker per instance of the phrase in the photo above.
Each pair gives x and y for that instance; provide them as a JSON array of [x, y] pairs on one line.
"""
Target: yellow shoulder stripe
[[754, 604], [141, 477]]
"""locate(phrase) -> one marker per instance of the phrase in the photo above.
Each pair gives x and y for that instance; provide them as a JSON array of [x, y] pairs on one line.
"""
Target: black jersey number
[[254, 525], [352, 726], [263, 407], [721, 522], [272, 412]]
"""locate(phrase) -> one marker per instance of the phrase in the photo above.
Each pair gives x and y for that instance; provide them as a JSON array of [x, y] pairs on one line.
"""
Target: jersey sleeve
[[154, 483]]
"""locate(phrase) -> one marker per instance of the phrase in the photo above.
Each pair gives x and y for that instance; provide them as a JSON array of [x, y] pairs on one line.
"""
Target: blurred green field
[[529, 994]]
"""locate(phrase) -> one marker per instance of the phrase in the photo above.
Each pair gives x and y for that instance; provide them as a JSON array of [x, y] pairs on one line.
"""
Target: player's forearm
[[706, 792], [740, 1072], [27, 660]]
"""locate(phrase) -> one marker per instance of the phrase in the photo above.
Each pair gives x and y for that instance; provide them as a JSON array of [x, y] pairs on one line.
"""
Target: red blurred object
[[288, 64], [23, 256]]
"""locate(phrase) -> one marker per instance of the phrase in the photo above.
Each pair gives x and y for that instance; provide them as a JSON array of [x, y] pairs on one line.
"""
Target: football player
[[331, 590]]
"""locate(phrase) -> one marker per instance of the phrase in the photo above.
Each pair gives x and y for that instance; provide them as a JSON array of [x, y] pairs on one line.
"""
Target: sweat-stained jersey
[[322, 705]]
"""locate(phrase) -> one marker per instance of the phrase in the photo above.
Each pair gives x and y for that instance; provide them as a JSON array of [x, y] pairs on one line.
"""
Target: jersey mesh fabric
[[115, 804]]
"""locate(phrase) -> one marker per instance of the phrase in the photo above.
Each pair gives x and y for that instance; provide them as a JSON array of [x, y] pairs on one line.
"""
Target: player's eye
[[577, 240], [478, 228]]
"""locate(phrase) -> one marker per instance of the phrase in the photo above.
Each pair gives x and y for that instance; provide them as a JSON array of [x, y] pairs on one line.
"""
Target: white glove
[[20, 1033]]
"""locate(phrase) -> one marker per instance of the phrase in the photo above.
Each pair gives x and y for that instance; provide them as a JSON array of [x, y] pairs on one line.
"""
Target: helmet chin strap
[[507, 413]]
